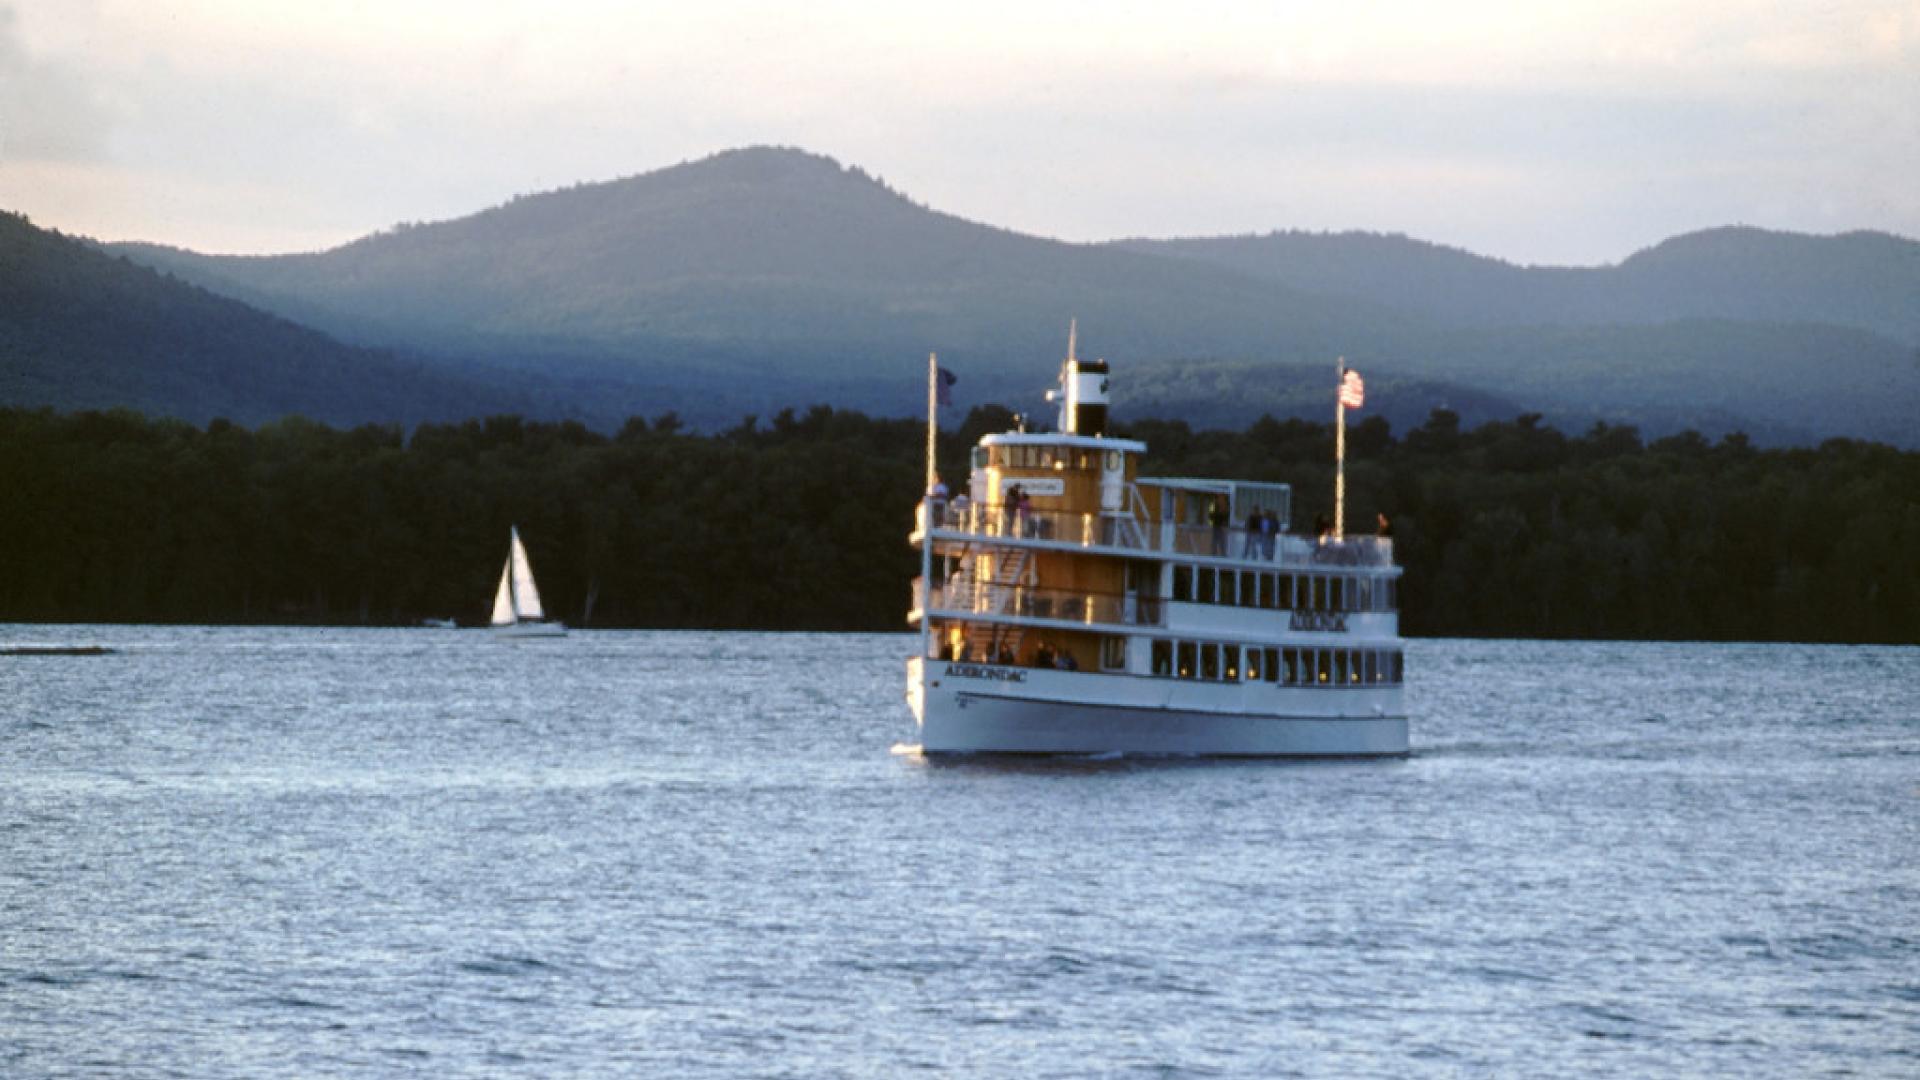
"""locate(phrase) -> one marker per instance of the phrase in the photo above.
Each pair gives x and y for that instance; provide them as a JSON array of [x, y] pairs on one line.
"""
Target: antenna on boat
[[1073, 334]]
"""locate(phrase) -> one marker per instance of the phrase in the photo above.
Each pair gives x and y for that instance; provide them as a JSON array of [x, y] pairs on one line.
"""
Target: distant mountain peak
[[1749, 241], [756, 164]]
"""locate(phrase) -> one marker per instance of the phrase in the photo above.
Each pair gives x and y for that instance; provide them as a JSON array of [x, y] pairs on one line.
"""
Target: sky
[[1564, 132]]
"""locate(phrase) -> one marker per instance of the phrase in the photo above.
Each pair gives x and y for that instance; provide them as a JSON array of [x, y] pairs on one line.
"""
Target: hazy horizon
[[1572, 136]]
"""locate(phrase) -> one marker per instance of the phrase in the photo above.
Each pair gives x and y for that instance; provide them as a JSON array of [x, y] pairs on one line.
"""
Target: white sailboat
[[516, 606]]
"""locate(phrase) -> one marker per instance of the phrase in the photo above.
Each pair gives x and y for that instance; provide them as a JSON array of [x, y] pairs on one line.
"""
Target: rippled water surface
[[298, 853]]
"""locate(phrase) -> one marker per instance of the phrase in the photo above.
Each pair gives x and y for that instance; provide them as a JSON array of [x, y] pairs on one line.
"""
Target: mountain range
[[762, 278]]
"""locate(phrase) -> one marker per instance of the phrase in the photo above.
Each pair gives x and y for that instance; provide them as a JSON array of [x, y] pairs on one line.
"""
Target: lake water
[[299, 853]]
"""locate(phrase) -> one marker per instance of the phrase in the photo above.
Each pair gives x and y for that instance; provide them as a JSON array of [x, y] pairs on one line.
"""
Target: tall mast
[[933, 413], [926, 509], [513, 577]]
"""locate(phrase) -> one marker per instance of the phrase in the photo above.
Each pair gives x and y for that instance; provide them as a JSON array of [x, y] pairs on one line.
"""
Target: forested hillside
[[1716, 377], [1505, 529], [80, 329]]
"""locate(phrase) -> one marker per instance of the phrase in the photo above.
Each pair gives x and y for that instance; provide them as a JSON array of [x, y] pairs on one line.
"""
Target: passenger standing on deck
[[1269, 532], [1023, 511], [1009, 510], [937, 502], [1250, 545], [1217, 517]]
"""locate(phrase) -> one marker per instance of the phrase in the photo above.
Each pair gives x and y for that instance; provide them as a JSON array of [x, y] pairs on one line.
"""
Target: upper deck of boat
[[960, 524]]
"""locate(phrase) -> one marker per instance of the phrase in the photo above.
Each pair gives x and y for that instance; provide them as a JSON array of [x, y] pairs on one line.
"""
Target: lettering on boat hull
[[977, 671], [1334, 621]]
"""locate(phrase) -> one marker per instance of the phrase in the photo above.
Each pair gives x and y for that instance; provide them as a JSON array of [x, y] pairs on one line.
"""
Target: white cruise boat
[[1117, 613]]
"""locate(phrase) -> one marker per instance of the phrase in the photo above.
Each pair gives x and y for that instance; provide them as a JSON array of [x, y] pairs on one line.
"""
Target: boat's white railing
[[1098, 530], [1284, 548], [1028, 601]]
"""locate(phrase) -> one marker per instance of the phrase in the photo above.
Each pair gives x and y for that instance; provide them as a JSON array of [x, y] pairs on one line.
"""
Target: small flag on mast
[[1353, 392], [943, 387]]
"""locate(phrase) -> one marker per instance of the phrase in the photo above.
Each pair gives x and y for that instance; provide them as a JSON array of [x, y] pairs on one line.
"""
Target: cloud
[[1568, 132], [48, 112]]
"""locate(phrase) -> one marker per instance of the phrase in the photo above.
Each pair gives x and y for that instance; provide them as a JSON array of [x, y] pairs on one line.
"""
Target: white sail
[[526, 598], [503, 600], [516, 604]]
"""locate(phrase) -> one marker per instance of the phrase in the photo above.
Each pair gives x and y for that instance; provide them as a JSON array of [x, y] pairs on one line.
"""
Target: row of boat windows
[[1049, 457], [1215, 662], [1285, 592]]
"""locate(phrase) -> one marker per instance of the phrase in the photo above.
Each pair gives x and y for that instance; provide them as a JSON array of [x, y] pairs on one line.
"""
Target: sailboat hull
[[522, 630]]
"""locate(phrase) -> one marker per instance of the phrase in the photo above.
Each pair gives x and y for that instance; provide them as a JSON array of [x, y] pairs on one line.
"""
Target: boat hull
[[519, 630], [974, 709]]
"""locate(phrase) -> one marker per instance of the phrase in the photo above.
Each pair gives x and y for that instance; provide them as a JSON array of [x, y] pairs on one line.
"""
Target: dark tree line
[[1507, 529]]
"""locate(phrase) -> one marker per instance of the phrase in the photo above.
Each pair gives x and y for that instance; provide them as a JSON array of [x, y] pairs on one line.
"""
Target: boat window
[[1230, 662], [1249, 589], [1254, 669], [1162, 656], [1393, 594], [1336, 593], [1229, 587], [1272, 658], [1290, 670], [1188, 660], [1339, 666], [1183, 583], [1113, 653], [1322, 666], [1319, 594], [1207, 585], [1397, 674], [1267, 599], [1373, 666], [1210, 661], [1286, 592]]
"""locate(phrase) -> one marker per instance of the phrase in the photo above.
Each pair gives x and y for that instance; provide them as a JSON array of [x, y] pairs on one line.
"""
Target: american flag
[[1353, 392], [944, 387]]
